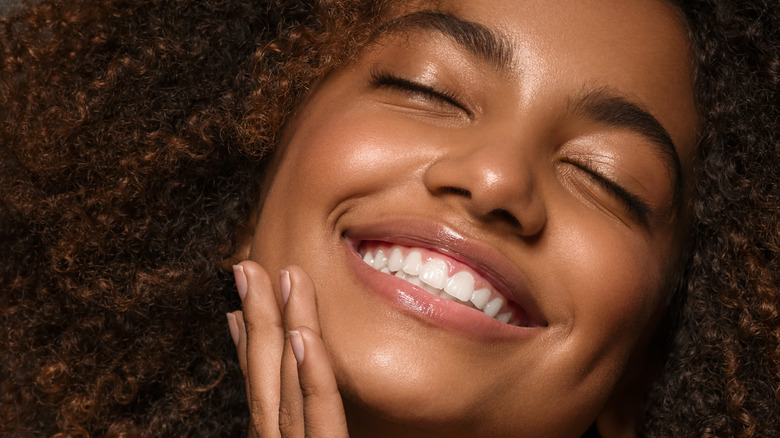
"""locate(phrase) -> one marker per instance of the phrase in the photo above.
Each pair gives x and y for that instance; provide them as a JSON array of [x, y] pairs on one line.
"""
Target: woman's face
[[532, 152]]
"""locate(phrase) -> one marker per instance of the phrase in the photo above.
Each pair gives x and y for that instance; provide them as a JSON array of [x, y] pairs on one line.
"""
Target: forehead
[[637, 49]]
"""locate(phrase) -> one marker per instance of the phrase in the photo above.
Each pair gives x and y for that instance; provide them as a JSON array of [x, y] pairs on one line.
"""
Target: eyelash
[[384, 79], [635, 205], [638, 208]]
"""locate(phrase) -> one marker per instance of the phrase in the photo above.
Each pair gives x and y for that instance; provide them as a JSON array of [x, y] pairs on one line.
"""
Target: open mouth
[[442, 277]]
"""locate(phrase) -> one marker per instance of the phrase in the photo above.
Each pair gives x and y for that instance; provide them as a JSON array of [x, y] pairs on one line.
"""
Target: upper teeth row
[[432, 276]]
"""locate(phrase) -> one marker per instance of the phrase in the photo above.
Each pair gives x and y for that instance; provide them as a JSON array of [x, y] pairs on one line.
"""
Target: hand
[[290, 384]]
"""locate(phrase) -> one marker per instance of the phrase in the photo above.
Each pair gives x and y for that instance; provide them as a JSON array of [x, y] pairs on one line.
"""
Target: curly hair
[[722, 376], [134, 135]]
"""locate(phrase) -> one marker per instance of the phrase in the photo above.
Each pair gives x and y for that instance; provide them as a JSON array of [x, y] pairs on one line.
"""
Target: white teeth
[[504, 317], [432, 290], [460, 286], [447, 296], [415, 280], [380, 260], [434, 273], [493, 306], [396, 260], [432, 276], [413, 263], [480, 297]]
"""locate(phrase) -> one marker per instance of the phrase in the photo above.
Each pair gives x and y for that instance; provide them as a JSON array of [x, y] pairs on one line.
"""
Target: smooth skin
[[559, 170]]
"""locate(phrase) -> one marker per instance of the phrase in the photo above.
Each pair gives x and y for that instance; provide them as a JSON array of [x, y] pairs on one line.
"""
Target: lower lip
[[431, 309]]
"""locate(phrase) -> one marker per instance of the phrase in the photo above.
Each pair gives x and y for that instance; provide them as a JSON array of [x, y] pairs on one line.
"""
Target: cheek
[[329, 156], [318, 162], [355, 151], [614, 283]]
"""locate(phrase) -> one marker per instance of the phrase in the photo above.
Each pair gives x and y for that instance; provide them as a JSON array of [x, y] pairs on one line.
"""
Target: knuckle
[[309, 391], [312, 391], [319, 431], [263, 330], [286, 421]]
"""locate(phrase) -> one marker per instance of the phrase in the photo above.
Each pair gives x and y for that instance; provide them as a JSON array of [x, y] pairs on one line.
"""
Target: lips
[[441, 276], [462, 278]]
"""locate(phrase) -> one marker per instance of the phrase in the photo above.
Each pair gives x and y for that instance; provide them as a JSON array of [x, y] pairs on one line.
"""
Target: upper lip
[[490, 263]]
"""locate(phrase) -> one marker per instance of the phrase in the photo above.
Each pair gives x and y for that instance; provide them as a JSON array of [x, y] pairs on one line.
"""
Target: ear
[[244, 238]]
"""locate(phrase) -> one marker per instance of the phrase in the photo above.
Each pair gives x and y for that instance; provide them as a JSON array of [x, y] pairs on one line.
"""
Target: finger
[[323, 410], [295, 284], [301, 306], [300, 309], [233, 328], [261, 345], [238, 333]]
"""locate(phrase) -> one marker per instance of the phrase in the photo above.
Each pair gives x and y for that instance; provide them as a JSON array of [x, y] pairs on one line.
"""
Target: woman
[[581, 164]]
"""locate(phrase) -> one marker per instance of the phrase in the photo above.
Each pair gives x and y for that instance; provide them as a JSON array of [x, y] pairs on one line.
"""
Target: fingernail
[[296, 341], [233, 327], [238, 272], [284, 285]]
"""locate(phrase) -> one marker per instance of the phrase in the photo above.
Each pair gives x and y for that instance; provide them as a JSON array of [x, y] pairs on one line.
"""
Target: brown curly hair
[[134, 134], [722, 375]]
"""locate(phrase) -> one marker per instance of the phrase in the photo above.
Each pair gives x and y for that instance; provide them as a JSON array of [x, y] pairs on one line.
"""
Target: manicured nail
[[296, 342], [233, 327], [238, 272], [284, 285]]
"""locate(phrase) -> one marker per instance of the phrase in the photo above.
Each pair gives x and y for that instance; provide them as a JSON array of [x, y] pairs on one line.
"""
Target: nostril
[[456, 191], [506, 216]]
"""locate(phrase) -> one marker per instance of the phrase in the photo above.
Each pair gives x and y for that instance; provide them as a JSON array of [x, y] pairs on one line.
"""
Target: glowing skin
[[492, 172]]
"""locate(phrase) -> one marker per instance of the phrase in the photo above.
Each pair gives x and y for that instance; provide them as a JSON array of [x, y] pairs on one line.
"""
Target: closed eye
[[636, 206], [383, 79]]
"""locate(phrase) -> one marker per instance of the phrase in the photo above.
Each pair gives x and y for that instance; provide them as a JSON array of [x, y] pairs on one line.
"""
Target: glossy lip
[[489, 263]]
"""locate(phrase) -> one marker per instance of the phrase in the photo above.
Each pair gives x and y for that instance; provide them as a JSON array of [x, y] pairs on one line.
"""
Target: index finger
[[300, 309], [323, 409], [261, 348]]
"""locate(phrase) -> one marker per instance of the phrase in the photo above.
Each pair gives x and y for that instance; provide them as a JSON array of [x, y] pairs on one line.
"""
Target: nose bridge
[[495, 177]]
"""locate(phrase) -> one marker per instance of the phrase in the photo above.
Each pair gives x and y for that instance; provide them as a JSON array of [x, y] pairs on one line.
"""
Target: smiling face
[[533, 156]]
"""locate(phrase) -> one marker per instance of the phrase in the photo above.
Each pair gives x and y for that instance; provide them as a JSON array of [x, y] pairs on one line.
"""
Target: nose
[[495, 184]]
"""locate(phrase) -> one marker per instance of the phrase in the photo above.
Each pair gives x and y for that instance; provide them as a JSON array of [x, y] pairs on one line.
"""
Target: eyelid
[[383, 78], [638, 207]]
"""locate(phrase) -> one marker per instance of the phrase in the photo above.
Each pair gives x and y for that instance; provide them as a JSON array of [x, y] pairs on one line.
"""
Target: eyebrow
[[604, 106], [601, 105], [476, 39]]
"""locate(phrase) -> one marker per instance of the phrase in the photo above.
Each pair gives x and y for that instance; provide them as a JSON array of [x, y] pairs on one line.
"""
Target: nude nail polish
[[284, 285], [296, 342], [241, 283]]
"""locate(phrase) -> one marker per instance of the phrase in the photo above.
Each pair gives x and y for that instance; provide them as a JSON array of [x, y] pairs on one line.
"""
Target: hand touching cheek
[[289, 381]]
